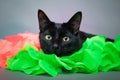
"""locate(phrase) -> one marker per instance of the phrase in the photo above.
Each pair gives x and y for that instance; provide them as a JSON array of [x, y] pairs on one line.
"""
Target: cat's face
[[60, 39]]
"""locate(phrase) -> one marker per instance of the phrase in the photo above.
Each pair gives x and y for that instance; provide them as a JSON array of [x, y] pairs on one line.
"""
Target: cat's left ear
[[75, 21]]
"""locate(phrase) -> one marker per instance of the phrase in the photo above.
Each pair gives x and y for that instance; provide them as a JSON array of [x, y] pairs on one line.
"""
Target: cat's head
[[61, 39]]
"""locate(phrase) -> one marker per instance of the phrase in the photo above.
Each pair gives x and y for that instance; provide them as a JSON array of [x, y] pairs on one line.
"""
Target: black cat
[[61, 39]]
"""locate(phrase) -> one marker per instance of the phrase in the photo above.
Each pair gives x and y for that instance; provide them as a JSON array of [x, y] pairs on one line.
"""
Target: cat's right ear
[[43, 20]]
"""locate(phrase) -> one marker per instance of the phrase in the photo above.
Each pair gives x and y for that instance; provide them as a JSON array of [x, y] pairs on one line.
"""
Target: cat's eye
[[48, 37], [66, 39]]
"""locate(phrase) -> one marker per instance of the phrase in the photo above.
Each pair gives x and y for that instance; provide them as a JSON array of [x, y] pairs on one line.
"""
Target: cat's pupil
[[48, 37]]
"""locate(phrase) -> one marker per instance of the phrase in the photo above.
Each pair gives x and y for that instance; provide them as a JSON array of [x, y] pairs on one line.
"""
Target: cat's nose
[[55, 46]]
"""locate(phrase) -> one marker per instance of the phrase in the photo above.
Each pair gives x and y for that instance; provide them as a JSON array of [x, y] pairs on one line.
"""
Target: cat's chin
[[58, 53]]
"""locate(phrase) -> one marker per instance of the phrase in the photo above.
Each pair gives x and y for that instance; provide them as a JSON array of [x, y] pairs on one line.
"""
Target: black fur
[[59, 32]]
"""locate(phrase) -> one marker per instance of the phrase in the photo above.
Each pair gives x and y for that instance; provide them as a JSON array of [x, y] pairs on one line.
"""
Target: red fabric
[[12, 44]]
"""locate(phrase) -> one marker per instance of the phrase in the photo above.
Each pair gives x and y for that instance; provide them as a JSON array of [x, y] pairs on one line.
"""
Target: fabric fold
[[10, 46]]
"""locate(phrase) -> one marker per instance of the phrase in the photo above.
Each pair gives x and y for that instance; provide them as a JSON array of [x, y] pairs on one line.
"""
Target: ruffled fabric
[[96, 55], [12, 44]]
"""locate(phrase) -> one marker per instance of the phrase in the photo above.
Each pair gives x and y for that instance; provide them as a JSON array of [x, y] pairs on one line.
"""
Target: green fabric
[[95, 55]]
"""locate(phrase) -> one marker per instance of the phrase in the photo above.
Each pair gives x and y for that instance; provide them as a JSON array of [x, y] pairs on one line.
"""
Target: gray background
[[99, 16], [9, 75]]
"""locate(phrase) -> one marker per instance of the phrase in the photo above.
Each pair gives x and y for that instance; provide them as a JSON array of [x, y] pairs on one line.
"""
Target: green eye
[[48, 37], [66, 39]]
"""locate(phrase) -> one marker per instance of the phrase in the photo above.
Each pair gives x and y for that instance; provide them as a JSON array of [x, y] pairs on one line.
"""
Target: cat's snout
[[55, 46]]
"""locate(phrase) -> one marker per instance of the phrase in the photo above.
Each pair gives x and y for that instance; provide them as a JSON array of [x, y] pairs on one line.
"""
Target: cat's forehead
[[57, 28], [58, 25]]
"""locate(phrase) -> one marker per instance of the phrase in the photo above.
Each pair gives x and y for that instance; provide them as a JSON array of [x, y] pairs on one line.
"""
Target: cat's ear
[[43, 20], [75, 21]]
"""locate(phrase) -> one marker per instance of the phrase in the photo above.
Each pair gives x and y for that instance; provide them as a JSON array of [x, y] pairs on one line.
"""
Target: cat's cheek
[[46, 46]]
